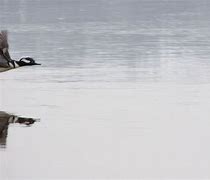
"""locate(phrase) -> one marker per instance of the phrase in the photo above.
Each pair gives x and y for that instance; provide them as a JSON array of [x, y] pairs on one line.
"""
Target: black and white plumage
[[6, 62]]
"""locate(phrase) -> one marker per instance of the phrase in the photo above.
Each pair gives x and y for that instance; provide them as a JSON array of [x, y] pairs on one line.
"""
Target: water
[[123, 90]]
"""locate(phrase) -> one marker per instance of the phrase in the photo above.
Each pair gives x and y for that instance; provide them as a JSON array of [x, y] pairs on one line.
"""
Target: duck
[[6, 119], [6, 62]]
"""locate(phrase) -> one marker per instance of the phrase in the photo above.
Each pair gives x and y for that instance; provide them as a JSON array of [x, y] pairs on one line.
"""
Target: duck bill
[[37, 64]]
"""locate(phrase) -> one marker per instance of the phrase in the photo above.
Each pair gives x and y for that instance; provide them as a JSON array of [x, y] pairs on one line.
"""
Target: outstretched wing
[[4, 47]]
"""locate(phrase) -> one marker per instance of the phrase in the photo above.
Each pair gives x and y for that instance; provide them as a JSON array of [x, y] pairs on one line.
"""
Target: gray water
[[123, 90]]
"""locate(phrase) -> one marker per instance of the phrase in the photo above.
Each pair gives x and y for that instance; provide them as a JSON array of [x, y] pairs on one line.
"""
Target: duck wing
[[4, 49]]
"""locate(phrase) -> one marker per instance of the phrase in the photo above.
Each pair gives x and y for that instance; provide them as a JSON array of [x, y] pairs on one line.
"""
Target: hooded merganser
[[6, 119], [6, 63]]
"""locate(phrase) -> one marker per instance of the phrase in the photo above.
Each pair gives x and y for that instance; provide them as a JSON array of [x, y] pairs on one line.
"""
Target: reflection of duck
[[6, 119], [6, 63]]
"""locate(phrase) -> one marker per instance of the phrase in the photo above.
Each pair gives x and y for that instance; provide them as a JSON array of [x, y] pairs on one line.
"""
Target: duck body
[[5, 66], [4, 69], [6, 62]]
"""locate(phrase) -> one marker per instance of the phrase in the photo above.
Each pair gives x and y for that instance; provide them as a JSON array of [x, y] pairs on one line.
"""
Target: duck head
[[27, 61]]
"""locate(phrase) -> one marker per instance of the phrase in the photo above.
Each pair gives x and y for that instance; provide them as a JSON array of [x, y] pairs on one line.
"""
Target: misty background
[[123, 90]]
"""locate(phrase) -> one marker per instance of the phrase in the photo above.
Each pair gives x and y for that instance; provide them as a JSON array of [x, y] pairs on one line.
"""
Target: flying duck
[[6, 63], [6, 119]]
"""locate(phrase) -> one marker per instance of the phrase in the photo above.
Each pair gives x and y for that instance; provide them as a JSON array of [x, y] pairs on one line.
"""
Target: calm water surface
[[123, 90]]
